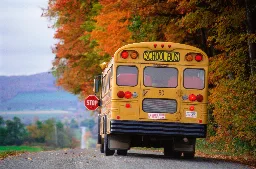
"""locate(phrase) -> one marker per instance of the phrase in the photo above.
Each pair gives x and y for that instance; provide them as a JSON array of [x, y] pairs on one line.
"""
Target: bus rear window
[[161, 77], [194, 78], [127, 76]]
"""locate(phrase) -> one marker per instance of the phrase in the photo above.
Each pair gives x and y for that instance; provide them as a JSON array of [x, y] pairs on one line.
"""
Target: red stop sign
[[91, 102]]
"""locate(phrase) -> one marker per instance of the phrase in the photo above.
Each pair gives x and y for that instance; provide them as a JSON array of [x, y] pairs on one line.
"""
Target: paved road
[[92, 158]]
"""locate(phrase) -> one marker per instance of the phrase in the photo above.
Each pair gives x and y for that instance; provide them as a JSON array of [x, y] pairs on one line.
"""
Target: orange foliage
[[112, 22]]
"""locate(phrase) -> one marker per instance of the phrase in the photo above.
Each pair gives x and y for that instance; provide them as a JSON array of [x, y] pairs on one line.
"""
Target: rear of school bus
[[158, 99]]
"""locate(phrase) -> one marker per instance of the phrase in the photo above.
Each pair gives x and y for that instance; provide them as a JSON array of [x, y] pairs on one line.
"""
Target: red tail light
[[127, 95], [124, 54], [198, 57], [192, 97], [199, 98], [120, 94]]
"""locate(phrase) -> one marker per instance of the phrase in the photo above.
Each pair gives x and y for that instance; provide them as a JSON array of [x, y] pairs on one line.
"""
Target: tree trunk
[[251, 29]]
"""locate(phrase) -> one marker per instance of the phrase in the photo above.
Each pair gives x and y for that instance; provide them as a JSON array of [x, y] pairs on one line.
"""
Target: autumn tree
[[89, 32], [76, 60], [111, 31]]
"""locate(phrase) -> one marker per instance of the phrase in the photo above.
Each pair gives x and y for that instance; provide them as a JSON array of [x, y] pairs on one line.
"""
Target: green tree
[[16, 132], [3, 131], [90, 123], [73, 124]]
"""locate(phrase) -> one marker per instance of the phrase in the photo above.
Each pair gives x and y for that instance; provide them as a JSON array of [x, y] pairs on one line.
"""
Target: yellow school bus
[[153, 94]]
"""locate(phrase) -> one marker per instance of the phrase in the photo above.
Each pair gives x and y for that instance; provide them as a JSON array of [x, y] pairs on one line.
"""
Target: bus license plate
[[156, 115], [191, 114]]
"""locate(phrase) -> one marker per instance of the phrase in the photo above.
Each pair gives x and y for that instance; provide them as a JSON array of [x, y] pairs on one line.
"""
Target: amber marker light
[[134, 55], [189, 57]]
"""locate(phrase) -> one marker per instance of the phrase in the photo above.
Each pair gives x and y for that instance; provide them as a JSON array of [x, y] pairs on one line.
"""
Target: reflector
[[128, 105], [192, 108]]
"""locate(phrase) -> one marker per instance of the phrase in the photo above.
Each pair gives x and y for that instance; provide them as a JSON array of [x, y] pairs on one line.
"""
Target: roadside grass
[[6, 151], [218, 151]]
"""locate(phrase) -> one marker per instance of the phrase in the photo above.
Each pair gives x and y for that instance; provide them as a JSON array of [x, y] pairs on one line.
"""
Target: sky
[[25, 39]]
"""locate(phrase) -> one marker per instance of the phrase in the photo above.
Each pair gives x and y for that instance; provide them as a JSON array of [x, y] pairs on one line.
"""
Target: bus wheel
[[122, 152], [169, 152], [189, 155], [176, 154], [107, 151], [102, 146]]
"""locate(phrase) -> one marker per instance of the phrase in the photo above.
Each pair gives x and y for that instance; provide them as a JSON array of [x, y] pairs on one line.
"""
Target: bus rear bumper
[[158, 128]]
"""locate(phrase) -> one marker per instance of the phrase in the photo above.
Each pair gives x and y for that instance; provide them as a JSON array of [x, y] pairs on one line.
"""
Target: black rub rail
[[158, 128]]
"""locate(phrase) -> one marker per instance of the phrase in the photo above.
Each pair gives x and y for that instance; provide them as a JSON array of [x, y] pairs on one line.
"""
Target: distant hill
[[35, 92], [10, 86]]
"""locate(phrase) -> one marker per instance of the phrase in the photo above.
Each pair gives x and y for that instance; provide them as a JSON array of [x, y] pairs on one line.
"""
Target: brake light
[[134, 55], [199, 98], [127, 95], [198, 57], [120, 94], [192, 97], [124, 54]]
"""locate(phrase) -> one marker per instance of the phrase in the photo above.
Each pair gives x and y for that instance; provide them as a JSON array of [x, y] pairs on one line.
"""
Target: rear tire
[[176, 154], [169, 152], [99, 136], [122, 152], [107, 151], [102, 146], [189, 155]]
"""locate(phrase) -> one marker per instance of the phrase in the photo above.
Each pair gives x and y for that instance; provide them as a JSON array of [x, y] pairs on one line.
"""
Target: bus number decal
[[145, 92], [161, 92], [161, 56]]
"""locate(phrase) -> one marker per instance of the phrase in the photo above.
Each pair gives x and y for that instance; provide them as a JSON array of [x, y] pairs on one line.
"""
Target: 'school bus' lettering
[[161, 56], [153, 94]]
